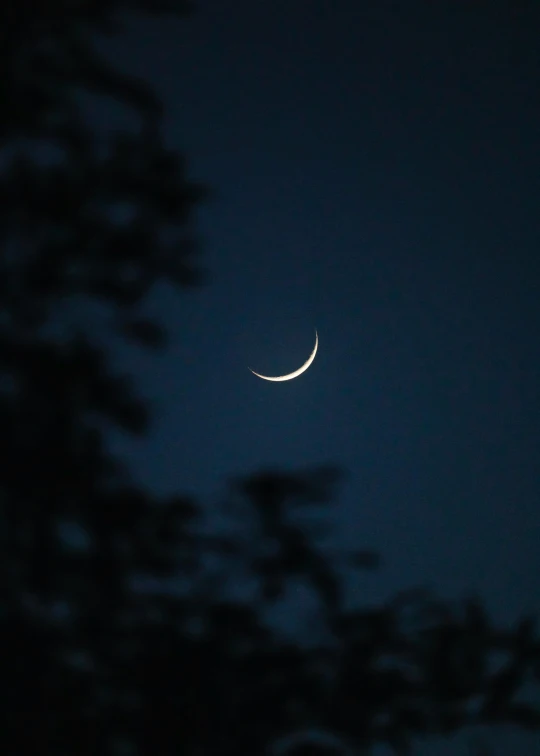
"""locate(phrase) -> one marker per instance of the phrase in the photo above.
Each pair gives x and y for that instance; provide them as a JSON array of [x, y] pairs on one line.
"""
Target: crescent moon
[[295, 373]]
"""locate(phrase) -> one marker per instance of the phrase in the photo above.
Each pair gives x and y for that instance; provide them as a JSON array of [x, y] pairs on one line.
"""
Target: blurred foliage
[[93, 661]]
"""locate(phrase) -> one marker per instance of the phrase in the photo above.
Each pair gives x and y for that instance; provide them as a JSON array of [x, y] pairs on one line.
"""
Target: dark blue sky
[[376, 169]]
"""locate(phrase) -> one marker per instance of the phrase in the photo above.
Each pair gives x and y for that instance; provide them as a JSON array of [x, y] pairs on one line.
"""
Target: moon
[[295, 373]]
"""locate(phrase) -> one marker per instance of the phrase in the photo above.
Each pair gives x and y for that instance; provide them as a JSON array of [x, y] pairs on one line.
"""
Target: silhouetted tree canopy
[[116, 635]]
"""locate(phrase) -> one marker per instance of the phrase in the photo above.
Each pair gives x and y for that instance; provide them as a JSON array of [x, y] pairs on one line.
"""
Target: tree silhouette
[[93, 662]]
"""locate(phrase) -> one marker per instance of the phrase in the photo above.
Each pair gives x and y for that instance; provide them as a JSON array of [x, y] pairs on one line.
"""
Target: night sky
[[375, 170]]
